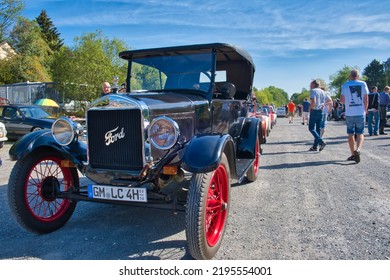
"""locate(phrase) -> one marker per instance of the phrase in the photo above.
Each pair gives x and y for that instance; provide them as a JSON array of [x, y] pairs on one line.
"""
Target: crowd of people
[[357, 105]]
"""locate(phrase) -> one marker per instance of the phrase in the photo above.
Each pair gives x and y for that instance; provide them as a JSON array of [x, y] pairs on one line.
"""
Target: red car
[[258, 113], [272, 113]]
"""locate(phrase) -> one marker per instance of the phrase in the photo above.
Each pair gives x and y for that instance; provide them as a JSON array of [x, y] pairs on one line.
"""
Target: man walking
[[305, 114], [384, 100], [291, 111], [317, 104], [354, 94], [373, 111]]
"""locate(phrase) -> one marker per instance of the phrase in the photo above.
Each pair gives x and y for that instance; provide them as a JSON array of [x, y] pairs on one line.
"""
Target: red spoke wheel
[[253, 171], [33, 189], [207, 211]]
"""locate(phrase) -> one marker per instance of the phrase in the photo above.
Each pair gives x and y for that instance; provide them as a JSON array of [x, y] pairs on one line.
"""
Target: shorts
[[355, 124], [305, 115], [290, 114]]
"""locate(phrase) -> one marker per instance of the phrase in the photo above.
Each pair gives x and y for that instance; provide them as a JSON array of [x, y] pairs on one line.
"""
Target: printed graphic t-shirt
[[354, 92]]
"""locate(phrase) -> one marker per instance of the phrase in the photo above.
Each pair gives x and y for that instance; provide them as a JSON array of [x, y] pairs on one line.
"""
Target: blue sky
[[291, 42]]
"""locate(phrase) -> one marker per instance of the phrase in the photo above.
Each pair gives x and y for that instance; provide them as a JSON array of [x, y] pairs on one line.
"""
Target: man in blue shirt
[[306, 110], [384, 100]]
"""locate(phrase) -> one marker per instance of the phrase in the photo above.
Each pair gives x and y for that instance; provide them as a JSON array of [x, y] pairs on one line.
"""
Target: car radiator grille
[[115, 139]]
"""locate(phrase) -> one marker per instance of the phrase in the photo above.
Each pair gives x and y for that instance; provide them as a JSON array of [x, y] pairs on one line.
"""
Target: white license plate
[[117, 193]]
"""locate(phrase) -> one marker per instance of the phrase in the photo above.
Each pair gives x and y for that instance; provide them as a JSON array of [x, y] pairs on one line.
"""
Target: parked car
[[267, 115], [3, 137], [388, 116], [73, 106], [272, 114], [255, 111], [187, 129], [281, 112], [22, 119]]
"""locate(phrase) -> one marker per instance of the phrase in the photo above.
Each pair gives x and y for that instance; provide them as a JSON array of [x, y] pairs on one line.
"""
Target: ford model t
[[183, 123]]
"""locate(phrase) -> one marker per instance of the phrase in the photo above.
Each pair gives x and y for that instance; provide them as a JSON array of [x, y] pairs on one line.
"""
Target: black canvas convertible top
[[225, 52]]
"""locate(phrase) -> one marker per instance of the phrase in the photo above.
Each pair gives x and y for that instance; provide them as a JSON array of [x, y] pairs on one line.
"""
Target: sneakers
[[357, 156], [352, 158], [382, 133], [303, 123], [322, 145], [313, 149]]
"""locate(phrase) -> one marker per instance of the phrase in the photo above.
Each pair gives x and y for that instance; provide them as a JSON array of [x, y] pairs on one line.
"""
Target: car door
[[13, 121]]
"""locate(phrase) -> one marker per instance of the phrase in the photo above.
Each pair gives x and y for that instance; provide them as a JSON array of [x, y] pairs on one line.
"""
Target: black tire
[[32, 188], [207, 211], [36, 128], [253, 171]]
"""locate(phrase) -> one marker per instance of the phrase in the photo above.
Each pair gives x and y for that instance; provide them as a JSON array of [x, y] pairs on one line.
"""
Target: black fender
[[246, 143], [203, 153], [76, 152]]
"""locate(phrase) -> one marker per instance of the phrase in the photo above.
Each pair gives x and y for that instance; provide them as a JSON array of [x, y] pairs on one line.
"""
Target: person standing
[[291, 111], [384, 100], [317, 104], [373, 111], [106, 88], [305, 109], [326, 111], [354, 95]]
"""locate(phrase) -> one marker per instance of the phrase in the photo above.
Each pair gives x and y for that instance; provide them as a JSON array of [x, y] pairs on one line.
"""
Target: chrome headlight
[[64, 131], [163, 133]]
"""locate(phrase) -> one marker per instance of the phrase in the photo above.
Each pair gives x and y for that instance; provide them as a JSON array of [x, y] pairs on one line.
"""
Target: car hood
[[44, 122], [157, 103]]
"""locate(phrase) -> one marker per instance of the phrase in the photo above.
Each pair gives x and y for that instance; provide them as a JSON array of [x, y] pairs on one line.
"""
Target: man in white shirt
[[317, 104], [354, 94]]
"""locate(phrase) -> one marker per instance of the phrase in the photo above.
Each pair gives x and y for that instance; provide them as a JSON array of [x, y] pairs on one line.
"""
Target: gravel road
[[304, 206]]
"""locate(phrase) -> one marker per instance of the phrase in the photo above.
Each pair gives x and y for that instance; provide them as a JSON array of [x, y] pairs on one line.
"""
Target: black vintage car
[[183, 129]]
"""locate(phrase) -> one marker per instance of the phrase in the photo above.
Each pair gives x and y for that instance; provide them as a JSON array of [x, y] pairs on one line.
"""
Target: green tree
[[386, 69], [338, 79], [49, 31], [375, 74], [32, 62], [298, 98], [271, 95], [81, 70], [10, 10], [7, 70]]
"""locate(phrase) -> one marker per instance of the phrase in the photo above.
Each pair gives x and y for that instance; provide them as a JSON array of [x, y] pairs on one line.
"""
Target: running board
[[243, 166]]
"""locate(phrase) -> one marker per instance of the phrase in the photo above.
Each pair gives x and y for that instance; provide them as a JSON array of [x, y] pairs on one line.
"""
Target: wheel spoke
[[216, 206], [45, 179]]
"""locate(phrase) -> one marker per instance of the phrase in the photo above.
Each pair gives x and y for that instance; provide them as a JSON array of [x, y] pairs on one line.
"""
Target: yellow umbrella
[[46, 102]]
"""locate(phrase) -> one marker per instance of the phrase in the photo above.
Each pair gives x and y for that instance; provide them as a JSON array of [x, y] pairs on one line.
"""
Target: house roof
[[6, 50]]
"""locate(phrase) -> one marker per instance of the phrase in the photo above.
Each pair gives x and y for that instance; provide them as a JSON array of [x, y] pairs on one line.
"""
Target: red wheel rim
[[257, 158], [216, 205], [45, 179]]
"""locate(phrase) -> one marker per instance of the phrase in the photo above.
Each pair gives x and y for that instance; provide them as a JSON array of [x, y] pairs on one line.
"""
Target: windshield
[[34, 112], [174, 72]]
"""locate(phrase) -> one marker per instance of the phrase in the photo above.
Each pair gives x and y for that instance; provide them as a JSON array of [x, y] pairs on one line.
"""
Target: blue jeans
[[373, 115], [315, 126]]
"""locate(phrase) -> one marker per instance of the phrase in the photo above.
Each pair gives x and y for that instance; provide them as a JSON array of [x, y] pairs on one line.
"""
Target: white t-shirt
[[354, 92], [319, 95], [325, 111]]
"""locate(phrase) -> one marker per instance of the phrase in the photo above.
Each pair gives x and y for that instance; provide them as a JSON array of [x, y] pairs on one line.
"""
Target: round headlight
[[64, 131], [163, 133]]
